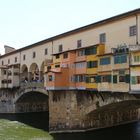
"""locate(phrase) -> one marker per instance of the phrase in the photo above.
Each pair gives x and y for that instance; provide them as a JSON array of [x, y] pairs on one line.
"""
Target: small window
[[91, 51], [65, 55], [16, 73], [102, 38], [15, 59], [106, 78], [48, 68], [46, 51], [9, 81], [105, 61], [24, 57], [121, 78], [92, 64], [91, 79], [79, 78], [81, 52], [2, 62], [60, 48], [57, 66], [57, 56], [132, 30], [79, 43], [8, 61], [34, 54], [4, 72], [50, 78], [9, 73], [137, 58]]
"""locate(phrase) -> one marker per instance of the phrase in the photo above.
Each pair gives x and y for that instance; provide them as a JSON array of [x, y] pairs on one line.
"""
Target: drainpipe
[[129, 64], [137, 41]]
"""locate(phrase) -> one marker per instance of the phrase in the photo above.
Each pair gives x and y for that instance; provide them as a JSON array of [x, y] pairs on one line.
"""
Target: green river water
[[13, 130]]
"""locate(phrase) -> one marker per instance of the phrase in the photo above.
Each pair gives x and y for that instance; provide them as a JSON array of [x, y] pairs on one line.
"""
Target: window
[[81, 52], [57, 56], [115, 78], [121, 78], [57, 66], [60, 48], [91, 79], [105, 61], [92, 64], [135, 80], [91, 51], [2, 62], [9, 73], [133, 30], [79, 78], [65, 55], [16, 73], [24, 57], [8, 61], [34, 54], [50, 78], [48, 68], [102, 38], [106, 78], [15, 59], [9, 81], [4, 72], [80, 65], [46, 51], [137, 58], [119, 59], [79, 43]]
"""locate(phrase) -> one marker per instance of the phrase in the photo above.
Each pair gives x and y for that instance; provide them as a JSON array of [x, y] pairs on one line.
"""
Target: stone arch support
[[31, 100]]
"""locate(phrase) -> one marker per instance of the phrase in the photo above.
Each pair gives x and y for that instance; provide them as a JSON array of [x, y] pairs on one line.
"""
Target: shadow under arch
[[32, 109]]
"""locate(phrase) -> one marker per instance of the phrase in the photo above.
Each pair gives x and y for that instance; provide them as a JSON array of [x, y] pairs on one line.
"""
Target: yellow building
[[135, 72], [105, 72], [92, 53]]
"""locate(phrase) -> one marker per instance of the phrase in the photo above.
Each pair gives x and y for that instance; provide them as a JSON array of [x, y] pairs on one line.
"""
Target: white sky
[[24, 22]]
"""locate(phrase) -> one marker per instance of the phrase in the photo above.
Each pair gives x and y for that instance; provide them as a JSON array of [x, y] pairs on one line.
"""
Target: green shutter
[[88, 64], [133, 80], [127, 78], [114, 78], [98, 79], [109, 78]]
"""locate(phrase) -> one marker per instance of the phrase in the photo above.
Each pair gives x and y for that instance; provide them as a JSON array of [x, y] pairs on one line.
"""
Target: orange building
[[61, 73]]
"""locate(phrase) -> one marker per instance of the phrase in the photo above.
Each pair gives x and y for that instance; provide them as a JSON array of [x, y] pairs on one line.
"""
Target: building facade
[[97, 57]]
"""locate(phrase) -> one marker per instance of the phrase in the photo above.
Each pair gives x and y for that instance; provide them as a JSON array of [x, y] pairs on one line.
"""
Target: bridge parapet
[[32, 85]]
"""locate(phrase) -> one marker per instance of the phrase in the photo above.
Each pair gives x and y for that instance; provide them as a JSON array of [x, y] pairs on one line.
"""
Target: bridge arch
[[31, 100], [24, 72]]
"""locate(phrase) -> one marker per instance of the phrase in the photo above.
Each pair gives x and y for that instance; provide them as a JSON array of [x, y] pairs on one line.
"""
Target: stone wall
[[68, 110]]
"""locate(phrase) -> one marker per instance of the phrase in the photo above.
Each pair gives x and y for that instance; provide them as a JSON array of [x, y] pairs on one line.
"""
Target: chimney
[[8, 49]]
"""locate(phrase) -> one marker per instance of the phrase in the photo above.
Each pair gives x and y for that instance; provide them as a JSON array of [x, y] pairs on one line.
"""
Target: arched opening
[[32, 109], [34, 72], [24, 73]]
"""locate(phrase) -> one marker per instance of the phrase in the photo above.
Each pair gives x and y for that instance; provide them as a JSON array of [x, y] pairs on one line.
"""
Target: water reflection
[[38, 120], [41, 120], [124, 132]]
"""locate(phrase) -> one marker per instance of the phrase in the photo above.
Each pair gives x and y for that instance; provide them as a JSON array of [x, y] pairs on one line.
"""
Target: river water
[[34, 126]]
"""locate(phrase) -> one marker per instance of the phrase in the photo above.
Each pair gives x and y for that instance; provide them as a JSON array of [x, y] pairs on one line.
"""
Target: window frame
[[132, 30], [102, 38]]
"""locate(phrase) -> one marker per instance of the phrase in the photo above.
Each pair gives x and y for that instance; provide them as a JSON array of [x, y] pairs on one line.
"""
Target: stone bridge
[[71, 110]]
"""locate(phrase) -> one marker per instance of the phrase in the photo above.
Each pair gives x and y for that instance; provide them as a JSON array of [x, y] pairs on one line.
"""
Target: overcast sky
[[24, 22]]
